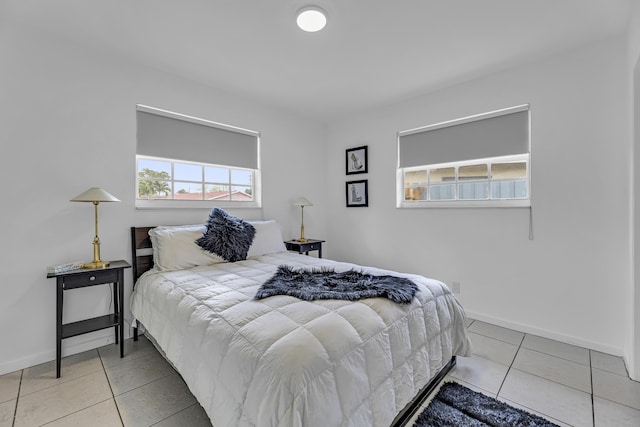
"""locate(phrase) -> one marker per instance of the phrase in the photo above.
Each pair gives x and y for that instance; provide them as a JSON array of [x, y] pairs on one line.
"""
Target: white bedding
[[282, 361]]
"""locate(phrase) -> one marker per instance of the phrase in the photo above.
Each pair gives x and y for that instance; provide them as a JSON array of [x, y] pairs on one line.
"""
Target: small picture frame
[[357, 193], [356, 160]]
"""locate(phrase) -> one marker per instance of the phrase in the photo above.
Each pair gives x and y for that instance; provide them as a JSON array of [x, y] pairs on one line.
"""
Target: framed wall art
[[357, 193], [356, 160]]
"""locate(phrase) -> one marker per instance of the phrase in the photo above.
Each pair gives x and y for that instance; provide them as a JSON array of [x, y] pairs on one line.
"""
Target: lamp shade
[[95, 195], [302, 202]]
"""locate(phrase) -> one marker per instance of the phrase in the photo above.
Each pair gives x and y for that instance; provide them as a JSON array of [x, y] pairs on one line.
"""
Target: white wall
[[633, 67], [67, 123], [571, 281]]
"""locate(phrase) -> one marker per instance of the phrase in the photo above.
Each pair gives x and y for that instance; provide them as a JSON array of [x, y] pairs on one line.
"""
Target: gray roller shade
[[173, 138], [501, 135]]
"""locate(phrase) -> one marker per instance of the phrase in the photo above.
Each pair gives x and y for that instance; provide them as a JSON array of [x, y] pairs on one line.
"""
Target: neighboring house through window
[[183, 161], [478, 161]]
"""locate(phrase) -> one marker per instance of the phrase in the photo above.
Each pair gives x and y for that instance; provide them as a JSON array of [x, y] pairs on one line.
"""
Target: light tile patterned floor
[[569, 385], [566, 384]]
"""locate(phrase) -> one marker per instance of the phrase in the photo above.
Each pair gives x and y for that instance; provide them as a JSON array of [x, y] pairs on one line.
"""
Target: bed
[[283, 361]]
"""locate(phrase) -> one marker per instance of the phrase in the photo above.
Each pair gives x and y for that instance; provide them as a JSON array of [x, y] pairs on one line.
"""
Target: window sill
[[194, 204], [524, 203]]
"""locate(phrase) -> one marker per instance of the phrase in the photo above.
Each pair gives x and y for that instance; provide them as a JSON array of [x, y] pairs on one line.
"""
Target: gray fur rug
[[327, 284], [456, 405]]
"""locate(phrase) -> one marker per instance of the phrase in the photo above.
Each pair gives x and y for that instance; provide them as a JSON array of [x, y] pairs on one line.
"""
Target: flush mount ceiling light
[[311, 19]]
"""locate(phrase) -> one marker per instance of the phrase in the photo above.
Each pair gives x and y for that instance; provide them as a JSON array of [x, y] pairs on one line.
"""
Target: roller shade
[[499, 135], [183, 138]]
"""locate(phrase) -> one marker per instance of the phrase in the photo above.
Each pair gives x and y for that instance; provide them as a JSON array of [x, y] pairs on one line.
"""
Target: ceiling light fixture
[[311, 19]]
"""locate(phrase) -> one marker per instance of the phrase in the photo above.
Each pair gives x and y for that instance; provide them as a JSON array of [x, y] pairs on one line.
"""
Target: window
[[478, 161], [501, 178], [166, 179], [182, 161]]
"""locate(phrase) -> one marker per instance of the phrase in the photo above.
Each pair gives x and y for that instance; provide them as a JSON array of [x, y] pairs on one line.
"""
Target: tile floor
[[568, 385]]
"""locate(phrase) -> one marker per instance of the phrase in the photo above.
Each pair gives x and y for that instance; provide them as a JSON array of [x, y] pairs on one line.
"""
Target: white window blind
[[175, 136], [496, 134]]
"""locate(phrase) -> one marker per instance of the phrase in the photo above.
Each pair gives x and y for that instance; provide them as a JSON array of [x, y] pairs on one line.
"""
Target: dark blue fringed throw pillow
[[227, 236]]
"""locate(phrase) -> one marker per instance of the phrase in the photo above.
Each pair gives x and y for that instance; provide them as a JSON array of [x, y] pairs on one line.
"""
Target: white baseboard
[[545, 333], [67, 350]]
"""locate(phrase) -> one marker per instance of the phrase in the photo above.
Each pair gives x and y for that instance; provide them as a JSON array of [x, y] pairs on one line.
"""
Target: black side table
[[306, 247], [113, 273]]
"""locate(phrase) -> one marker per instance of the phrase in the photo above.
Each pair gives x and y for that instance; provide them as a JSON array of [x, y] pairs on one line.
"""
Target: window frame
[[200, 204], [465, 203], [205, 204]]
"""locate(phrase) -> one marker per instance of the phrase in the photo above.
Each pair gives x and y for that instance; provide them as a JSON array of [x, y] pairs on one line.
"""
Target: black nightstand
[[114, 273], [306, 247]]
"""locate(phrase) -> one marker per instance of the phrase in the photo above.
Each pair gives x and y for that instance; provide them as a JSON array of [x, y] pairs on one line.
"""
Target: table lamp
[[95, 196], [302, 202]]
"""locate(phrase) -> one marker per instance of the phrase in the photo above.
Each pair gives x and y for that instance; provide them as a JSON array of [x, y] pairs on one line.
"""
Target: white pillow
[[268, 239], [175, 248]]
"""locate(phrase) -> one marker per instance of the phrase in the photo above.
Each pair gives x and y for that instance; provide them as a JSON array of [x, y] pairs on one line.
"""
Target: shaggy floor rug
[[456, 405]]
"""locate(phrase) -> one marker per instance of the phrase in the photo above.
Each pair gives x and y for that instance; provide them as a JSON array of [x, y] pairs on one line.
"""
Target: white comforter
[[282, 361]]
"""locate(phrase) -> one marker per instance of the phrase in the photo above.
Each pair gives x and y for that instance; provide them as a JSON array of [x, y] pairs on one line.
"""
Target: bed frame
[[142, 260], [141, 257]]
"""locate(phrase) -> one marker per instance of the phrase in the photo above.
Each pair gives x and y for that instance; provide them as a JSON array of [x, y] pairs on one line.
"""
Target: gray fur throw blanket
[[325, 283]]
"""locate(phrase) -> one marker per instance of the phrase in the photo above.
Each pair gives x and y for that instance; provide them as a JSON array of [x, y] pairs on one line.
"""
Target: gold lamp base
[[97, 264], [302, 240]]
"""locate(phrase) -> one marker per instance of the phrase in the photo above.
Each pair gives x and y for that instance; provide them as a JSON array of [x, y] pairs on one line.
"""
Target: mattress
[[282, 361]]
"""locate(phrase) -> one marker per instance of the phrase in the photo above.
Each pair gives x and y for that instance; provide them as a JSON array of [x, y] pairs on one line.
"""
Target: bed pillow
[[174, 247], [268, 239], [227, 236]]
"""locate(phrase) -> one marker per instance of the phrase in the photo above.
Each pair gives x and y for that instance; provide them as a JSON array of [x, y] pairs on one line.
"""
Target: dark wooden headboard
[[141, 251]]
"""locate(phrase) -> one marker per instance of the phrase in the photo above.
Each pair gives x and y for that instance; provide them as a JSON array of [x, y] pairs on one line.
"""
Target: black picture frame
[[356, 160], [357, 193]]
